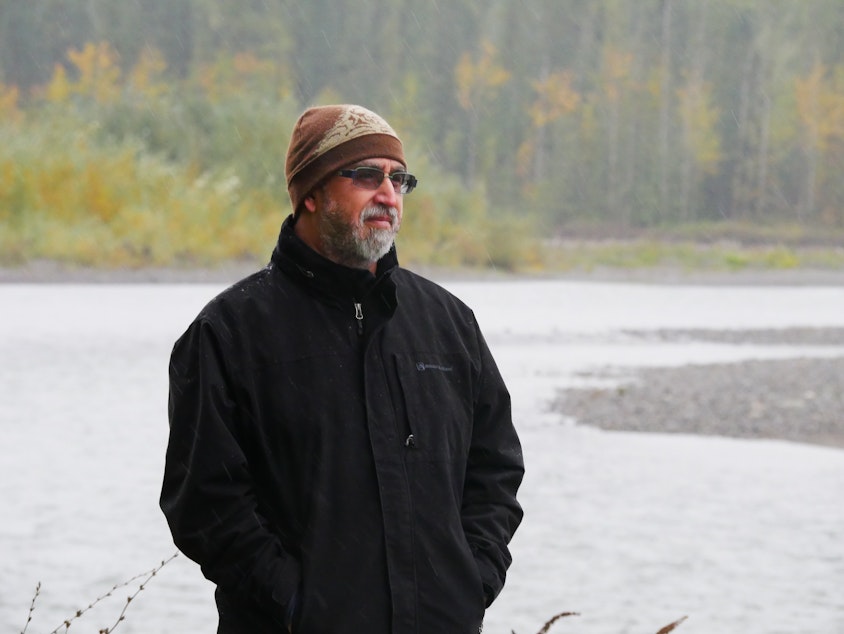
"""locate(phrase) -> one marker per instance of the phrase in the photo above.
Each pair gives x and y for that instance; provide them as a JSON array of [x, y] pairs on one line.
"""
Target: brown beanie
[[328, 138]]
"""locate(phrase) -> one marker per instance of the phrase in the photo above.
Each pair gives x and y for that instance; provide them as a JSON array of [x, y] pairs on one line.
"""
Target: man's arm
[[208, 494], [494, 471]]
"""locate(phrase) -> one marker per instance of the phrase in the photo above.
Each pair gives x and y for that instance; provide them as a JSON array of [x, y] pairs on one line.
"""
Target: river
[[632, 531]]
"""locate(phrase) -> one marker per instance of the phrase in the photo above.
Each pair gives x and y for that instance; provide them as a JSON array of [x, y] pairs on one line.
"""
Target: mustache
[[380, 210]]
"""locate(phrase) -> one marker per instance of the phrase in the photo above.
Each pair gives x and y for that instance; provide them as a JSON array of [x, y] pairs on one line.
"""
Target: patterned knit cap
[[329, 138]]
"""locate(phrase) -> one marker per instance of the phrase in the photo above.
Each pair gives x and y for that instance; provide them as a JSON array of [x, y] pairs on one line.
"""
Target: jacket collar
[[308, 267]]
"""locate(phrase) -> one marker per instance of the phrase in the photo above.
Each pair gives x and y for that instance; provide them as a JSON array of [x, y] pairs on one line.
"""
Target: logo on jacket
[[433, 366]]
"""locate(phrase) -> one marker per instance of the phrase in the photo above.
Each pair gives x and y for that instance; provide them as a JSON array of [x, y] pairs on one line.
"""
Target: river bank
[[50, 271]]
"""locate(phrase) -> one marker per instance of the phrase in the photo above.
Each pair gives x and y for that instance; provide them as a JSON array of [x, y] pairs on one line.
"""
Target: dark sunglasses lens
[[372, 177], [408, 183], [368, 178], [399, 181]]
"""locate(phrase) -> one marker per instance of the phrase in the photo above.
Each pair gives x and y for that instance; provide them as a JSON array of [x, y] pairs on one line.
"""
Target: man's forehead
[[379, 162]]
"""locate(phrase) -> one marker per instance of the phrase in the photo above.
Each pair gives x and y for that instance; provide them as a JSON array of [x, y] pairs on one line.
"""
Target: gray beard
[[354, 244]]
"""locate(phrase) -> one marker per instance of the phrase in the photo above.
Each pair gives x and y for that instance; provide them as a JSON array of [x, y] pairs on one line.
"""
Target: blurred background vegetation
[[546, 134]]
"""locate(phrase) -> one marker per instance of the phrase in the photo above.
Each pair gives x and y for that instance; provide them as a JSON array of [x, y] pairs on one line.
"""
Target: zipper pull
[[359, 317]]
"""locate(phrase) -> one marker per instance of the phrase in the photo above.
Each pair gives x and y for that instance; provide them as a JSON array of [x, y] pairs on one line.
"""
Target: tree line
[[573, 112]]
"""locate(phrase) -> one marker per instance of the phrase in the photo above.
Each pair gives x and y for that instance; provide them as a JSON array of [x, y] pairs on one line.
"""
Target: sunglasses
[[372, 177]]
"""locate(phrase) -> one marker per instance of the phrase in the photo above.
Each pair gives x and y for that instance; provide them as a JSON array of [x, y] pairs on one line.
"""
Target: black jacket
[[345, 438]]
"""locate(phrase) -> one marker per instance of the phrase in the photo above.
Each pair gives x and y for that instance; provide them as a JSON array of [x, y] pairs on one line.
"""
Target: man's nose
[[386, 192]]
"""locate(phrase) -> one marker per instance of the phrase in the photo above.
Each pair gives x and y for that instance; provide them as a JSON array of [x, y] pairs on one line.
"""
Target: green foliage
[[249, 135], [447, 224], [67, 195], [535, 116], [121, 185], [589, 255]]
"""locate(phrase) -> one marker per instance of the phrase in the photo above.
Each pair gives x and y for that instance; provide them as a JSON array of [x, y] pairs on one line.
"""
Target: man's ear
[[310, 202]]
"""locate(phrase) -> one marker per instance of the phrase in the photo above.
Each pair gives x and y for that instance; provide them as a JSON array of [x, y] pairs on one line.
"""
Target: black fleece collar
[[307, 266]]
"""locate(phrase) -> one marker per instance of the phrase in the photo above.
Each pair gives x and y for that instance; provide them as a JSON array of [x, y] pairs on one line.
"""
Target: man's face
[[357, 226]]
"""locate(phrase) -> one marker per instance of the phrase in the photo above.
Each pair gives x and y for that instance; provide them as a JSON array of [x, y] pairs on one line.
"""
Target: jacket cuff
[[290, 611], [489, 578], [284, 596]]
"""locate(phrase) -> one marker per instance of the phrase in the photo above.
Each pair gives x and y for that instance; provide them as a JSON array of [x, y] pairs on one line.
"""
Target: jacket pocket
[[436, 391]]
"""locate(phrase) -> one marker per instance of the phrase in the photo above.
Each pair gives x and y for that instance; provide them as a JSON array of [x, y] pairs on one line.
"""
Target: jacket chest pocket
[[436, 405]]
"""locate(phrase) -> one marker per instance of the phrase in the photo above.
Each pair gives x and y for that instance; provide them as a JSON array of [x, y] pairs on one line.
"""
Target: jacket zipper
[[359, 317], [410, 441]]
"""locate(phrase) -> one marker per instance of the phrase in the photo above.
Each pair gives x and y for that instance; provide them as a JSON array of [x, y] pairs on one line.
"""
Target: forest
[[154, 131]]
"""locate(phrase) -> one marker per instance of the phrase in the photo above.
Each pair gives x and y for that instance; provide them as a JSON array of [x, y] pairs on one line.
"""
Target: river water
[[632, 531]]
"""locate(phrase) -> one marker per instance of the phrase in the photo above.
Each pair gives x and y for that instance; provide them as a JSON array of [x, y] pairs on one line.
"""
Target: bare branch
[[670, 627], [554, 619], [32, 607], [148, 575]]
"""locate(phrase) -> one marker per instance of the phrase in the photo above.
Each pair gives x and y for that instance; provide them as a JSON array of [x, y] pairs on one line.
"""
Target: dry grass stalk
[[107, 630], [671, 626], [665, 630]]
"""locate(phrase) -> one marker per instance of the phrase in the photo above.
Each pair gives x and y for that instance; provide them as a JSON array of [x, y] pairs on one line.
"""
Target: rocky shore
[[799, 399]]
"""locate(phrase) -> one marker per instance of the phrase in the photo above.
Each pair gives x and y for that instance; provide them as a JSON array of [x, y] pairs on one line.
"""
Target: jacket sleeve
[[490, 511], [208, 496]]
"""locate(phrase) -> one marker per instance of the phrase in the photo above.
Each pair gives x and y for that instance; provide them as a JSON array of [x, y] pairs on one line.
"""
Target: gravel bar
[[799, 400]]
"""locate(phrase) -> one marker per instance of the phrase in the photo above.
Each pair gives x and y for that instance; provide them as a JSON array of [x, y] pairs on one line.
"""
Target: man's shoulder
[[422, 290], [237, 312], [416, 282], [234, 299]]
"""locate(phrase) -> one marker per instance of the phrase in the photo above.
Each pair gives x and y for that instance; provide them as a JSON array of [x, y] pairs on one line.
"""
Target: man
[[342, 457]]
